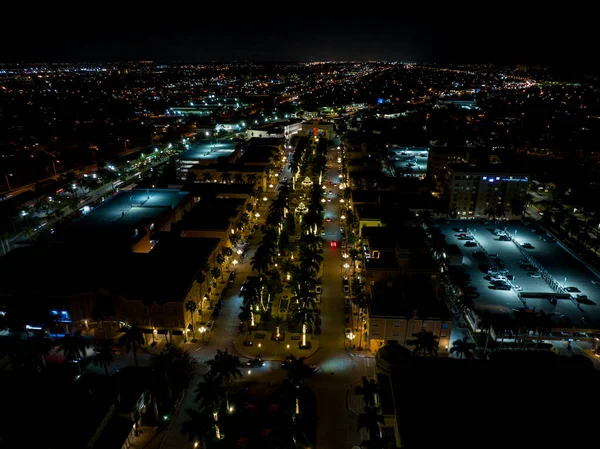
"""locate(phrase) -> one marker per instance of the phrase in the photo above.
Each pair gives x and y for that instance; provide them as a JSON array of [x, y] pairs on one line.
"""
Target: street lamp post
[[202, 331]]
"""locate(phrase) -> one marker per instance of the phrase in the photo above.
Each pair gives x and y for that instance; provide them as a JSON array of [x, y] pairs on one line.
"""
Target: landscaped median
[[272, 347]]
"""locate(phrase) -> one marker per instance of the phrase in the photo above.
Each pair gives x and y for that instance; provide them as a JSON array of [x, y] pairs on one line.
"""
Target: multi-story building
[[441, 157], [473, 192]]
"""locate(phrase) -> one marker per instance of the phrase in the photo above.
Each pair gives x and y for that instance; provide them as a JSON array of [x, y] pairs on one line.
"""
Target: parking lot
[[557, 261], [412, 161]]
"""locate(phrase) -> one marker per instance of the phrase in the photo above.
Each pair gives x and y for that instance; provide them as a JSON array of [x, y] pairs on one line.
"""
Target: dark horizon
[[213, 35]]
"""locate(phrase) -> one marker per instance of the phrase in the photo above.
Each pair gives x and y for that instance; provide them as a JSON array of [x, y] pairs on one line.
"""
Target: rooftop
[[387, 237], [257, 154], [403, 298], [167, 272], [127, 209], [496, 169], [211, 214], [492, 380]]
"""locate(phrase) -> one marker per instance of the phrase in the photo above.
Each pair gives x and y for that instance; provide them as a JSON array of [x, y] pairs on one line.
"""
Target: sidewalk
[[263, 343]]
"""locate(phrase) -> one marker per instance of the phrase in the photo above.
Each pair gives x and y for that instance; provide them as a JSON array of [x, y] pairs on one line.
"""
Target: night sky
[[298, 32]]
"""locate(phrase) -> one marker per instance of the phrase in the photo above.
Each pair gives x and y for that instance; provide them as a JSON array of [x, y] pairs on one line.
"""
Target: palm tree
[[216, 272], [372, 421], [192, 306], [225, 367], [238, 178], [199, 425], [133, 340], [462, 348], [369, 389], [297, 371], [207, 177], [225, 177], [425, 342], [104, 356], [261, 260], [304, 313], [73, 346], [210, 395], [251, 178]]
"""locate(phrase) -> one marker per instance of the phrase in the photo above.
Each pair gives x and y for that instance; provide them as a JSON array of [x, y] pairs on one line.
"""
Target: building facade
[[479, 193]]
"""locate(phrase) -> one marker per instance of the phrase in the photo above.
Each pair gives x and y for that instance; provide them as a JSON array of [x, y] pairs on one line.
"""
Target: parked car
[[518, 288], [470, 244], [500, 287], [504, 238], [573, 290], [528, 246], [210, 325], [498, 277], [534, 275]]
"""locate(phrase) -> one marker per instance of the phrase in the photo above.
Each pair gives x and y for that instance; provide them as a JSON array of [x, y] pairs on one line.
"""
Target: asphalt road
[[552, 256], [338, 369]]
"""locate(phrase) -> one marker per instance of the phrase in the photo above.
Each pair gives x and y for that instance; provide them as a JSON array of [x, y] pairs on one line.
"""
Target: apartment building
[[495, 191]]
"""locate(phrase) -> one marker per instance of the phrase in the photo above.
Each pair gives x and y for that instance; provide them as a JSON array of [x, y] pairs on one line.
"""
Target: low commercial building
[[226, 163], [399, 309], [129, 221], [319, 128], [495, 191], [282, 129], [149, 289], [212, 218], [399, 254]]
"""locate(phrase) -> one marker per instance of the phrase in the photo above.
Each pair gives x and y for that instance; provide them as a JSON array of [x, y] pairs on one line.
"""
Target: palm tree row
[[371, 420]]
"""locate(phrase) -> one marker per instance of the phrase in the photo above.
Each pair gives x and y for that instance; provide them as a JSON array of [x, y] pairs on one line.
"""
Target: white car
[[210, 325], [498, 277]]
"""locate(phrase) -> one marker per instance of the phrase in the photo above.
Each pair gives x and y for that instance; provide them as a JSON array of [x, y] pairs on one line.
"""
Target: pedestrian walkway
[[263, 342], [364, 353]]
